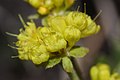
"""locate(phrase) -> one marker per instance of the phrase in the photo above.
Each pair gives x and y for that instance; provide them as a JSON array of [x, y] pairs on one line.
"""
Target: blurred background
[[104, 46]]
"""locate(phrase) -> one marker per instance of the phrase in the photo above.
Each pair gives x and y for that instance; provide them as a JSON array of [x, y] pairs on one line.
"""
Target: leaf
[[67, 64], [53, 62], [79, 52]]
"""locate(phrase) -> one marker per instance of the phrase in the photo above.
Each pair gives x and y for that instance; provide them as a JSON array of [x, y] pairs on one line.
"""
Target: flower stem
[[76, 74], [77, 68], [73, 75]]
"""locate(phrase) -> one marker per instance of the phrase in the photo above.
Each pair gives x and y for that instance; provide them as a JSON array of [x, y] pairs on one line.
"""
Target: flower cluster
[[55, 42], [47, 6], [73, 26], [102, 72]]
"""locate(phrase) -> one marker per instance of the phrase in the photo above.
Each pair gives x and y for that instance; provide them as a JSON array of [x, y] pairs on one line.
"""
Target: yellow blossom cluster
[[39, 44], [102, 72], [47, 6], [73, 26]]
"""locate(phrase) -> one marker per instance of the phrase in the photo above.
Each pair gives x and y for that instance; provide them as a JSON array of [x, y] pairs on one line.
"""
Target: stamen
[[97, 15], [78, 8], [11, 34], [12, 47], [14, 56], [21, 19], [85, 8], [33, 16]]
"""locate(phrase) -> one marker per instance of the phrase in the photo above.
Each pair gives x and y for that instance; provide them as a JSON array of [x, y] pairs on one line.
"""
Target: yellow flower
[[53, 40], [73, 26], [39, 55], [100, 72], [50, 6], [34, 3], [58, 3], [57, 23], [94, 73], [30, 45], [72, 35], [91, 28], [68, 3], [115, 76], [83, 22], [76, 19], [42, 10], [104, 72]]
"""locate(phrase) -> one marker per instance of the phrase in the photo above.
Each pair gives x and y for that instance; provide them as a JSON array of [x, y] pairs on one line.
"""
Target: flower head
[[102, 72], [83, 22], [47, 6], [91, 28], [38, 44], [56, 40], [30, 45], [73, 26], [53, 40], [72, 35], [76, 19]]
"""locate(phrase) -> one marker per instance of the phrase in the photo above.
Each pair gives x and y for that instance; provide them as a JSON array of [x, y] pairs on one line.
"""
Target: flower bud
[[94, 73], [72, 35], [39, 55], [115, 76], [104, 72], [57, 43], [68, 3], [23, 55], [30, 45], [54, 41], [57, 23], [39, 59], [100, 72], [44, 32], [58, 3], [49, 4], [35, 3], [43, 10], [55, 7], [91, 28], [76, 19]]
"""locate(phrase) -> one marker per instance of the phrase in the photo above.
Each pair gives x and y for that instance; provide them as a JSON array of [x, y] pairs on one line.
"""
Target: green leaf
[[67, 64], [79, 52], [53, 62]]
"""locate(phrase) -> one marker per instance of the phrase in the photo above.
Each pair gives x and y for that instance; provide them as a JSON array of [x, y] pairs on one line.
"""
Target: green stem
[[76, 74], [73, 75], [77, 68]]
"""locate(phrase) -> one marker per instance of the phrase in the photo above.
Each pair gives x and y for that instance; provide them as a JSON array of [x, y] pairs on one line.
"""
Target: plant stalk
[[73, 75], [77, 68]]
